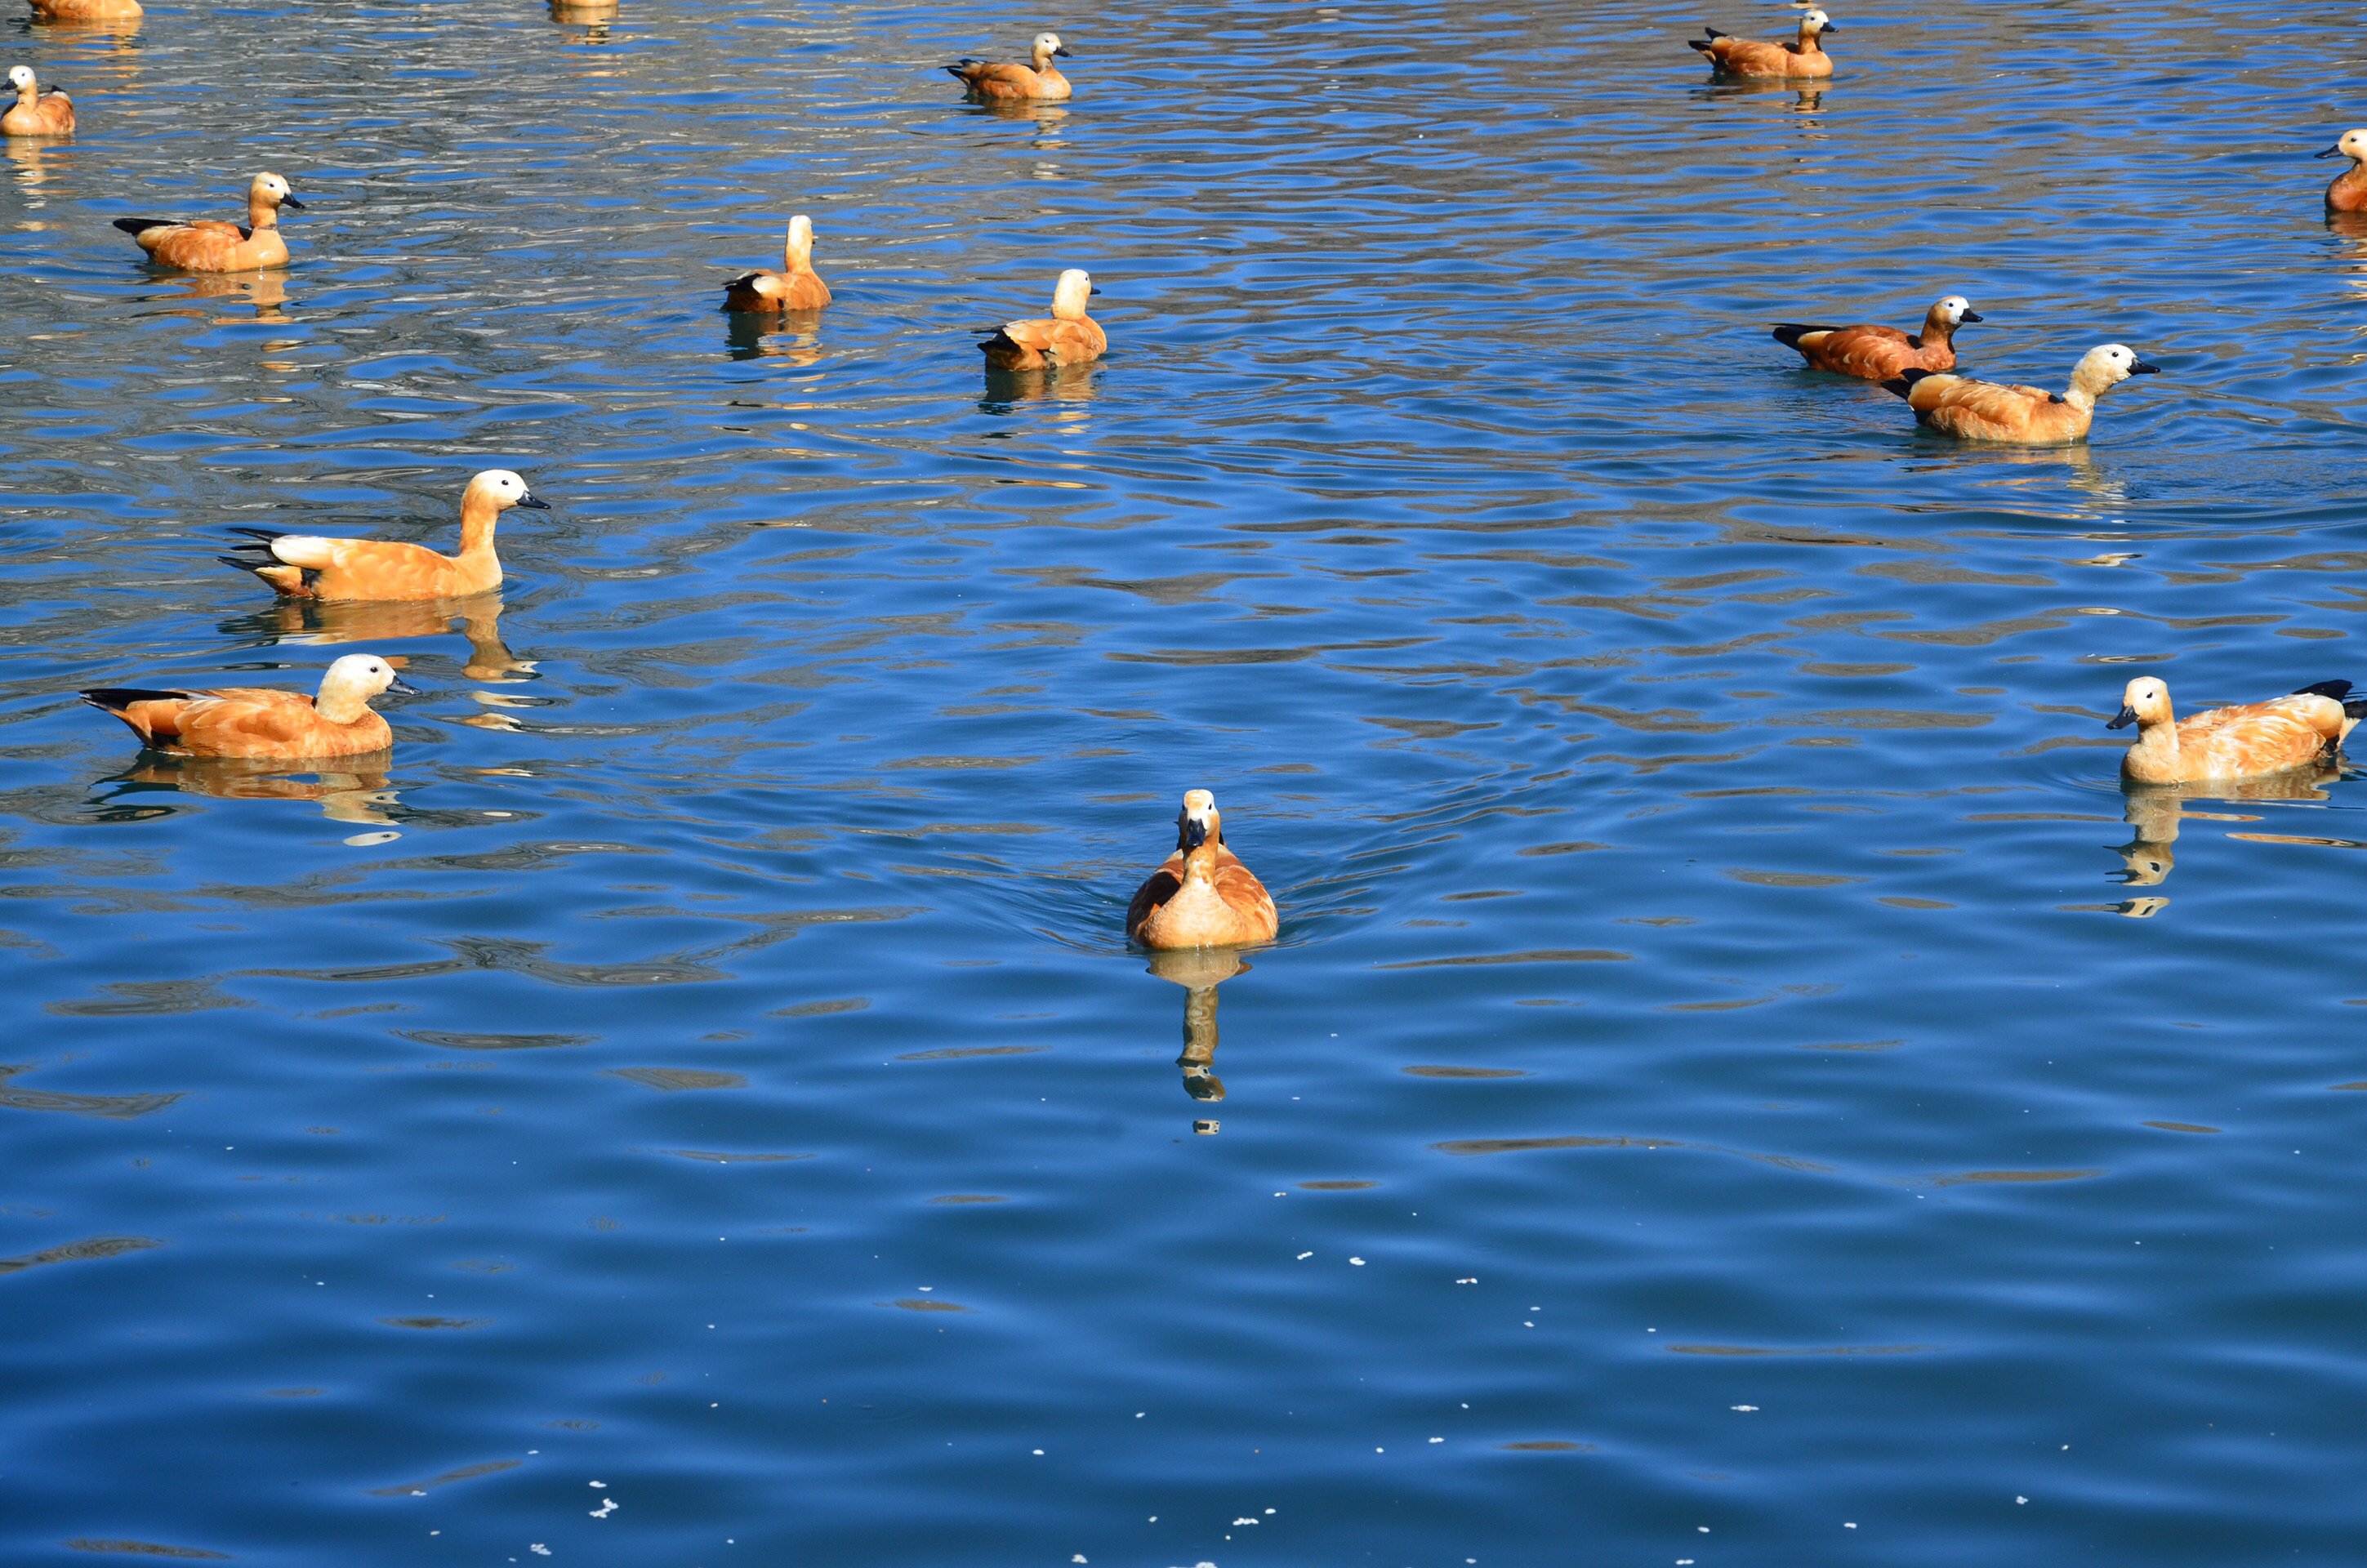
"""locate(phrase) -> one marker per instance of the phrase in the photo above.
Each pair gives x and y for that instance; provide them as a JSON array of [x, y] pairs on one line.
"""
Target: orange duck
[[796, 286], [85, 10], [2232, 742], [2349, 191], [1201, 896], [1875, 353], [36, 114], [306, 566], [261, 721], [215, 246], [1007, 81], [1750, 57], [1068, 337]]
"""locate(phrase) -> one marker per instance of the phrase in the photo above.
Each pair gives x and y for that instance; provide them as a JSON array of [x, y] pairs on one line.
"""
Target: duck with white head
[[2349, 191], [36, 113], [1803, 58], [261, 721], [1007, 81], [2239, 742], [1201, 896], [310, 566], [2014, 413]]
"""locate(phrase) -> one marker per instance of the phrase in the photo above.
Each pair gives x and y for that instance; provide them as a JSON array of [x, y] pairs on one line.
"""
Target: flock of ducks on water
[[1202, 896]]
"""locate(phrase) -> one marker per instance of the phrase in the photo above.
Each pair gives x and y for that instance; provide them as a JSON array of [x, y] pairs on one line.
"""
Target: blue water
[[1739, 1083]]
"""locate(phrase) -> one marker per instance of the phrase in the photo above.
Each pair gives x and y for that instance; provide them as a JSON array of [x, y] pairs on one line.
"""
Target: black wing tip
[[142, 225], [1701, 44], [2337, 689], [260, 534], [114, 698], [1789, 334], [1715, 32]]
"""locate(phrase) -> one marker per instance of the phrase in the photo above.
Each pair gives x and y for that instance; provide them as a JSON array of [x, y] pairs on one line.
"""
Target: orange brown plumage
[[261, 721], [36, 113], [1874, 352], [1201, 896], [1753, 57], [2022, 415], [307, 566], [796, 286], [2242, 741], [1007, 81], [85, 10], [2349, 191], [214, 246], [1068, 337]]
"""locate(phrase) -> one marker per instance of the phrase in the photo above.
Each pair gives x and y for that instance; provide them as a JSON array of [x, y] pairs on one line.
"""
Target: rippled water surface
[[1739, 1083]]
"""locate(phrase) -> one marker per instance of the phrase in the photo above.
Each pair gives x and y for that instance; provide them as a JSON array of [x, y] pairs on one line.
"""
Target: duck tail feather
[[142, 225], [1701, 44], [2337, 689], [1789, 334], [115, 699], [266, 534], [1714, 32]]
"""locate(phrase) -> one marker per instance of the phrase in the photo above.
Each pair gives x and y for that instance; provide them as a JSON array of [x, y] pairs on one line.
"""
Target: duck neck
[[2080, 395], [1938, 328], [340, 704], [2158, 743], [1807, 44], [478, 516], [1044, 66], [261, 214], [30, 94]]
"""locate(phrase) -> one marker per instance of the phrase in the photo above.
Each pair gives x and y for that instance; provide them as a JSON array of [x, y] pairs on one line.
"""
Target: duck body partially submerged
[[2246, 740], [268, 722], [1201, 896]]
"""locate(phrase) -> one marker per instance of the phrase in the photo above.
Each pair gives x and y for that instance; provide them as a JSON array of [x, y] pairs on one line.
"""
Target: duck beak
[[533, 503], [1063, 49], [2122, 720], [1971, 316], [1096, 289], [291, 204], [397, 685], [2333, 151], [1828, 30], [2142, 368], [1195, 832]]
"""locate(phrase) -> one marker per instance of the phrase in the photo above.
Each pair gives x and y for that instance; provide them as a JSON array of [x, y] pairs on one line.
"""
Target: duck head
[[270, 192], [1048, 45], [502, 489], [2107, 366], [2144, 702], [1955, 309], [2351, 144], [1069, 294]]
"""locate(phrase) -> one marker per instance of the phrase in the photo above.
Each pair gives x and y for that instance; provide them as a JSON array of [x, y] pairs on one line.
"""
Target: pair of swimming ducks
[[1918, 367]]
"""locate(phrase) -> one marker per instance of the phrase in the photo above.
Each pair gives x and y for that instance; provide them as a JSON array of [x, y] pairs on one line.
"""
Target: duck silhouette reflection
[[1199, 970], [329, 621], [747, 335], [1056, 394], [2157, 811], [355, 790], [593, 16], [266, 291]]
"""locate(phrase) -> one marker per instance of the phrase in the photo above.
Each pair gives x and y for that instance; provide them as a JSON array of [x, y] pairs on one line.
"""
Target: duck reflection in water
[[266, 291], [2157, 811], [593, 15], [355, 790], [749, 335], [330, 621], [1199, 971], [1057, 396]]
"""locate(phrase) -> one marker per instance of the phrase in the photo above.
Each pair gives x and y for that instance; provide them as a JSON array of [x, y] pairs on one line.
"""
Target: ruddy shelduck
[[36, 113], [85, 10], [1877, 353], [1007, 81], [215, 246], [261, 721], [2232, 742], [1751, 57], [306, 566], [1202, 896], [1068, 337], [2349, 191], [2026, 417], [796, 286]]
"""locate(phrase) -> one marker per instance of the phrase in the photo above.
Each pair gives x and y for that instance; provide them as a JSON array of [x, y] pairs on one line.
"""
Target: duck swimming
[[1007, 81], [2349, 191], [796, 286], [1201, 896], [85, 10], [2026, 417], [1750, 57], [261, 721], [2232, 742], [36, 113], [214, 246], [1068, 337], [306, 566], [1875, 353]]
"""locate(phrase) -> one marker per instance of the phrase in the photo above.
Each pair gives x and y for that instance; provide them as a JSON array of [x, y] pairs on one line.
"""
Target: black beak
[[290, 202], [1828, 30], [2126, 717], [1096, 289], [533, 503], [2142, 368], [2333, 151], [1063, 49], [1971, 316], [1195, 832], [396, 685]]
